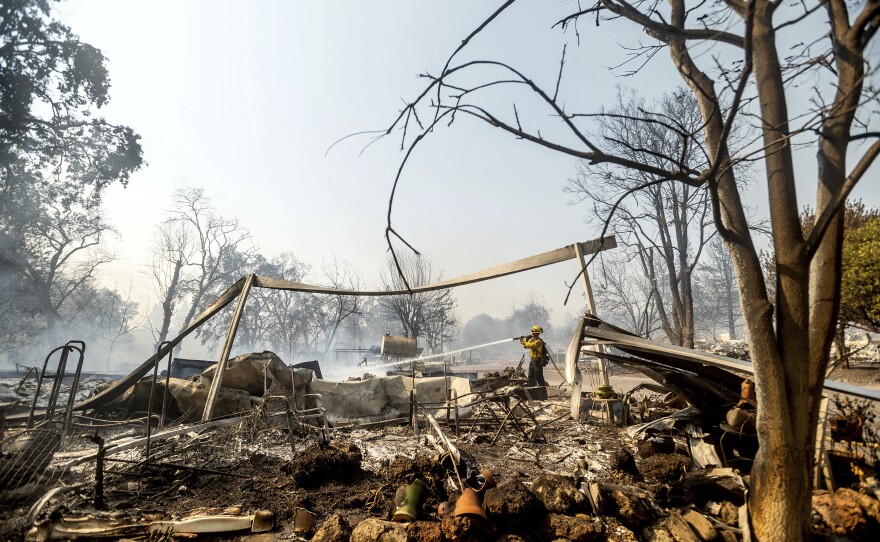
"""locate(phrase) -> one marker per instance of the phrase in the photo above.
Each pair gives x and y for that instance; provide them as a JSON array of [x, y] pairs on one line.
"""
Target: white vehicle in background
[[867, 346]]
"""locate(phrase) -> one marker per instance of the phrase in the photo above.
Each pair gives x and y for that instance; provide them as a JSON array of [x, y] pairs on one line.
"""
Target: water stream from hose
[[441, 354]]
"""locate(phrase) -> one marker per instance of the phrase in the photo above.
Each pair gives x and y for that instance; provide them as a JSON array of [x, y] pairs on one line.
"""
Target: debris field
[[469, 456]]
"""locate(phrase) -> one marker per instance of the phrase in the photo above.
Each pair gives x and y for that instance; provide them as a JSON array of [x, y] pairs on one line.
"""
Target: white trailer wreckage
[[257, 446]]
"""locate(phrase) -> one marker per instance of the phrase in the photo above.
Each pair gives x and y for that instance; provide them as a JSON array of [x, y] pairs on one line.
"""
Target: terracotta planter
[[469, 504]]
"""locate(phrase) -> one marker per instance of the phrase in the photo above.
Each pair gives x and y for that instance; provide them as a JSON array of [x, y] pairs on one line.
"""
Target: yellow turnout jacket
[[535, 346]]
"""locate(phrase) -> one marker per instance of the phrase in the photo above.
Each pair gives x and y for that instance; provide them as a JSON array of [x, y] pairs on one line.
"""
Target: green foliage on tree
[[860, 282], [57, 156]]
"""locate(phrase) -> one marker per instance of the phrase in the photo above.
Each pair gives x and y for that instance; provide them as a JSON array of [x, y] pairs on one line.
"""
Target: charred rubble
[[286, 455]]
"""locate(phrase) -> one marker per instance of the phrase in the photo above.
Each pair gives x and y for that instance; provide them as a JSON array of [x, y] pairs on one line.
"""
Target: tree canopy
[[57, 156], [860, 282]]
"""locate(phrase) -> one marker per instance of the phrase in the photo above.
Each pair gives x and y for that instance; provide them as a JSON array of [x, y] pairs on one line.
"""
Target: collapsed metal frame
[[241, 288]]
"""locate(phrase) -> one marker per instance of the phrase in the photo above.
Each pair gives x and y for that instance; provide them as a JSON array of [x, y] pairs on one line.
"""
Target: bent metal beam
[[532, 262]]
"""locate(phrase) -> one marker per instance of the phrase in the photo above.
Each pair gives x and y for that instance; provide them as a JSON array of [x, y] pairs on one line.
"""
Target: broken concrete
[[432, 391], [362, 398]]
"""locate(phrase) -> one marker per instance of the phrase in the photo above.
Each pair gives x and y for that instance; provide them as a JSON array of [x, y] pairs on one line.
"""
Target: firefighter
[[538, 356]]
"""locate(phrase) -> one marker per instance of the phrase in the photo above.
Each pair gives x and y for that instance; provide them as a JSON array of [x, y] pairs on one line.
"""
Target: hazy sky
[[244, 99]]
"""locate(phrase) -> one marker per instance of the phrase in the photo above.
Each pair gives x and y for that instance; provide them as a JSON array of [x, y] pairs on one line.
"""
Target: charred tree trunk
[[168, 302], [840, 343]]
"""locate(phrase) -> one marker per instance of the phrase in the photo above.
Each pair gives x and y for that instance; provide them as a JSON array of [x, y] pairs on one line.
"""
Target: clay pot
[[490, 480], [738, 418], [469, 504], [747, 392]]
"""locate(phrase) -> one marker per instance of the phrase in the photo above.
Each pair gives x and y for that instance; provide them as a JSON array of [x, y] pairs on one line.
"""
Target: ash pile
[[663, 453]]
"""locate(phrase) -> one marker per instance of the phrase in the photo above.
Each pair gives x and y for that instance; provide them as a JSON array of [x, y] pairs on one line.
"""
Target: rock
[[466, 529], [703, 528], [726, 536], [512, 507], [622, 460], [633, 509], [376, 530], [869, 504], [577, 529], [424, 531], [657, 533], [334, 529], [664, 468], [729, 514], [843, 514], [559, 494], [679, 528], [615, 532]]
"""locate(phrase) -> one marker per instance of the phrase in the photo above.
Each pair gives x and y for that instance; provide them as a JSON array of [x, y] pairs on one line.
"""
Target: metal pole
[[40, 376], [455, 397], [99, 471], [56, 384], [227, 348], [149, 420], [591, 305], [167, 380], [68, 414]]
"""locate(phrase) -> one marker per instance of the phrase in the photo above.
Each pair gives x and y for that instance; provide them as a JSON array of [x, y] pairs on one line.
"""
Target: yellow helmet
[[537, 329]]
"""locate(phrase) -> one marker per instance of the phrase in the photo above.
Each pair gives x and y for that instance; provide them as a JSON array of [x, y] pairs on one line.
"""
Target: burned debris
[[660, 451]]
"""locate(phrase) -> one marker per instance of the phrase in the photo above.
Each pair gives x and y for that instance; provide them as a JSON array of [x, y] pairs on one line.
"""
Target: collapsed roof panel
[[681, 361]]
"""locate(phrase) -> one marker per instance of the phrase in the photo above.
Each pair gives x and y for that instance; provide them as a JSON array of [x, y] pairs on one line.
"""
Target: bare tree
[[717, 298], [667, 224], [429, 316], [118, 316], [197, 252], [790, 352], [625, 292], [531, 313], [295, 325], [223, 248], [336, 309], [60, 254], [171, 251]]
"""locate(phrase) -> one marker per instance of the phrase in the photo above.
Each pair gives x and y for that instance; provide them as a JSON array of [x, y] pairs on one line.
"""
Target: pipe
[[217, 382]]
